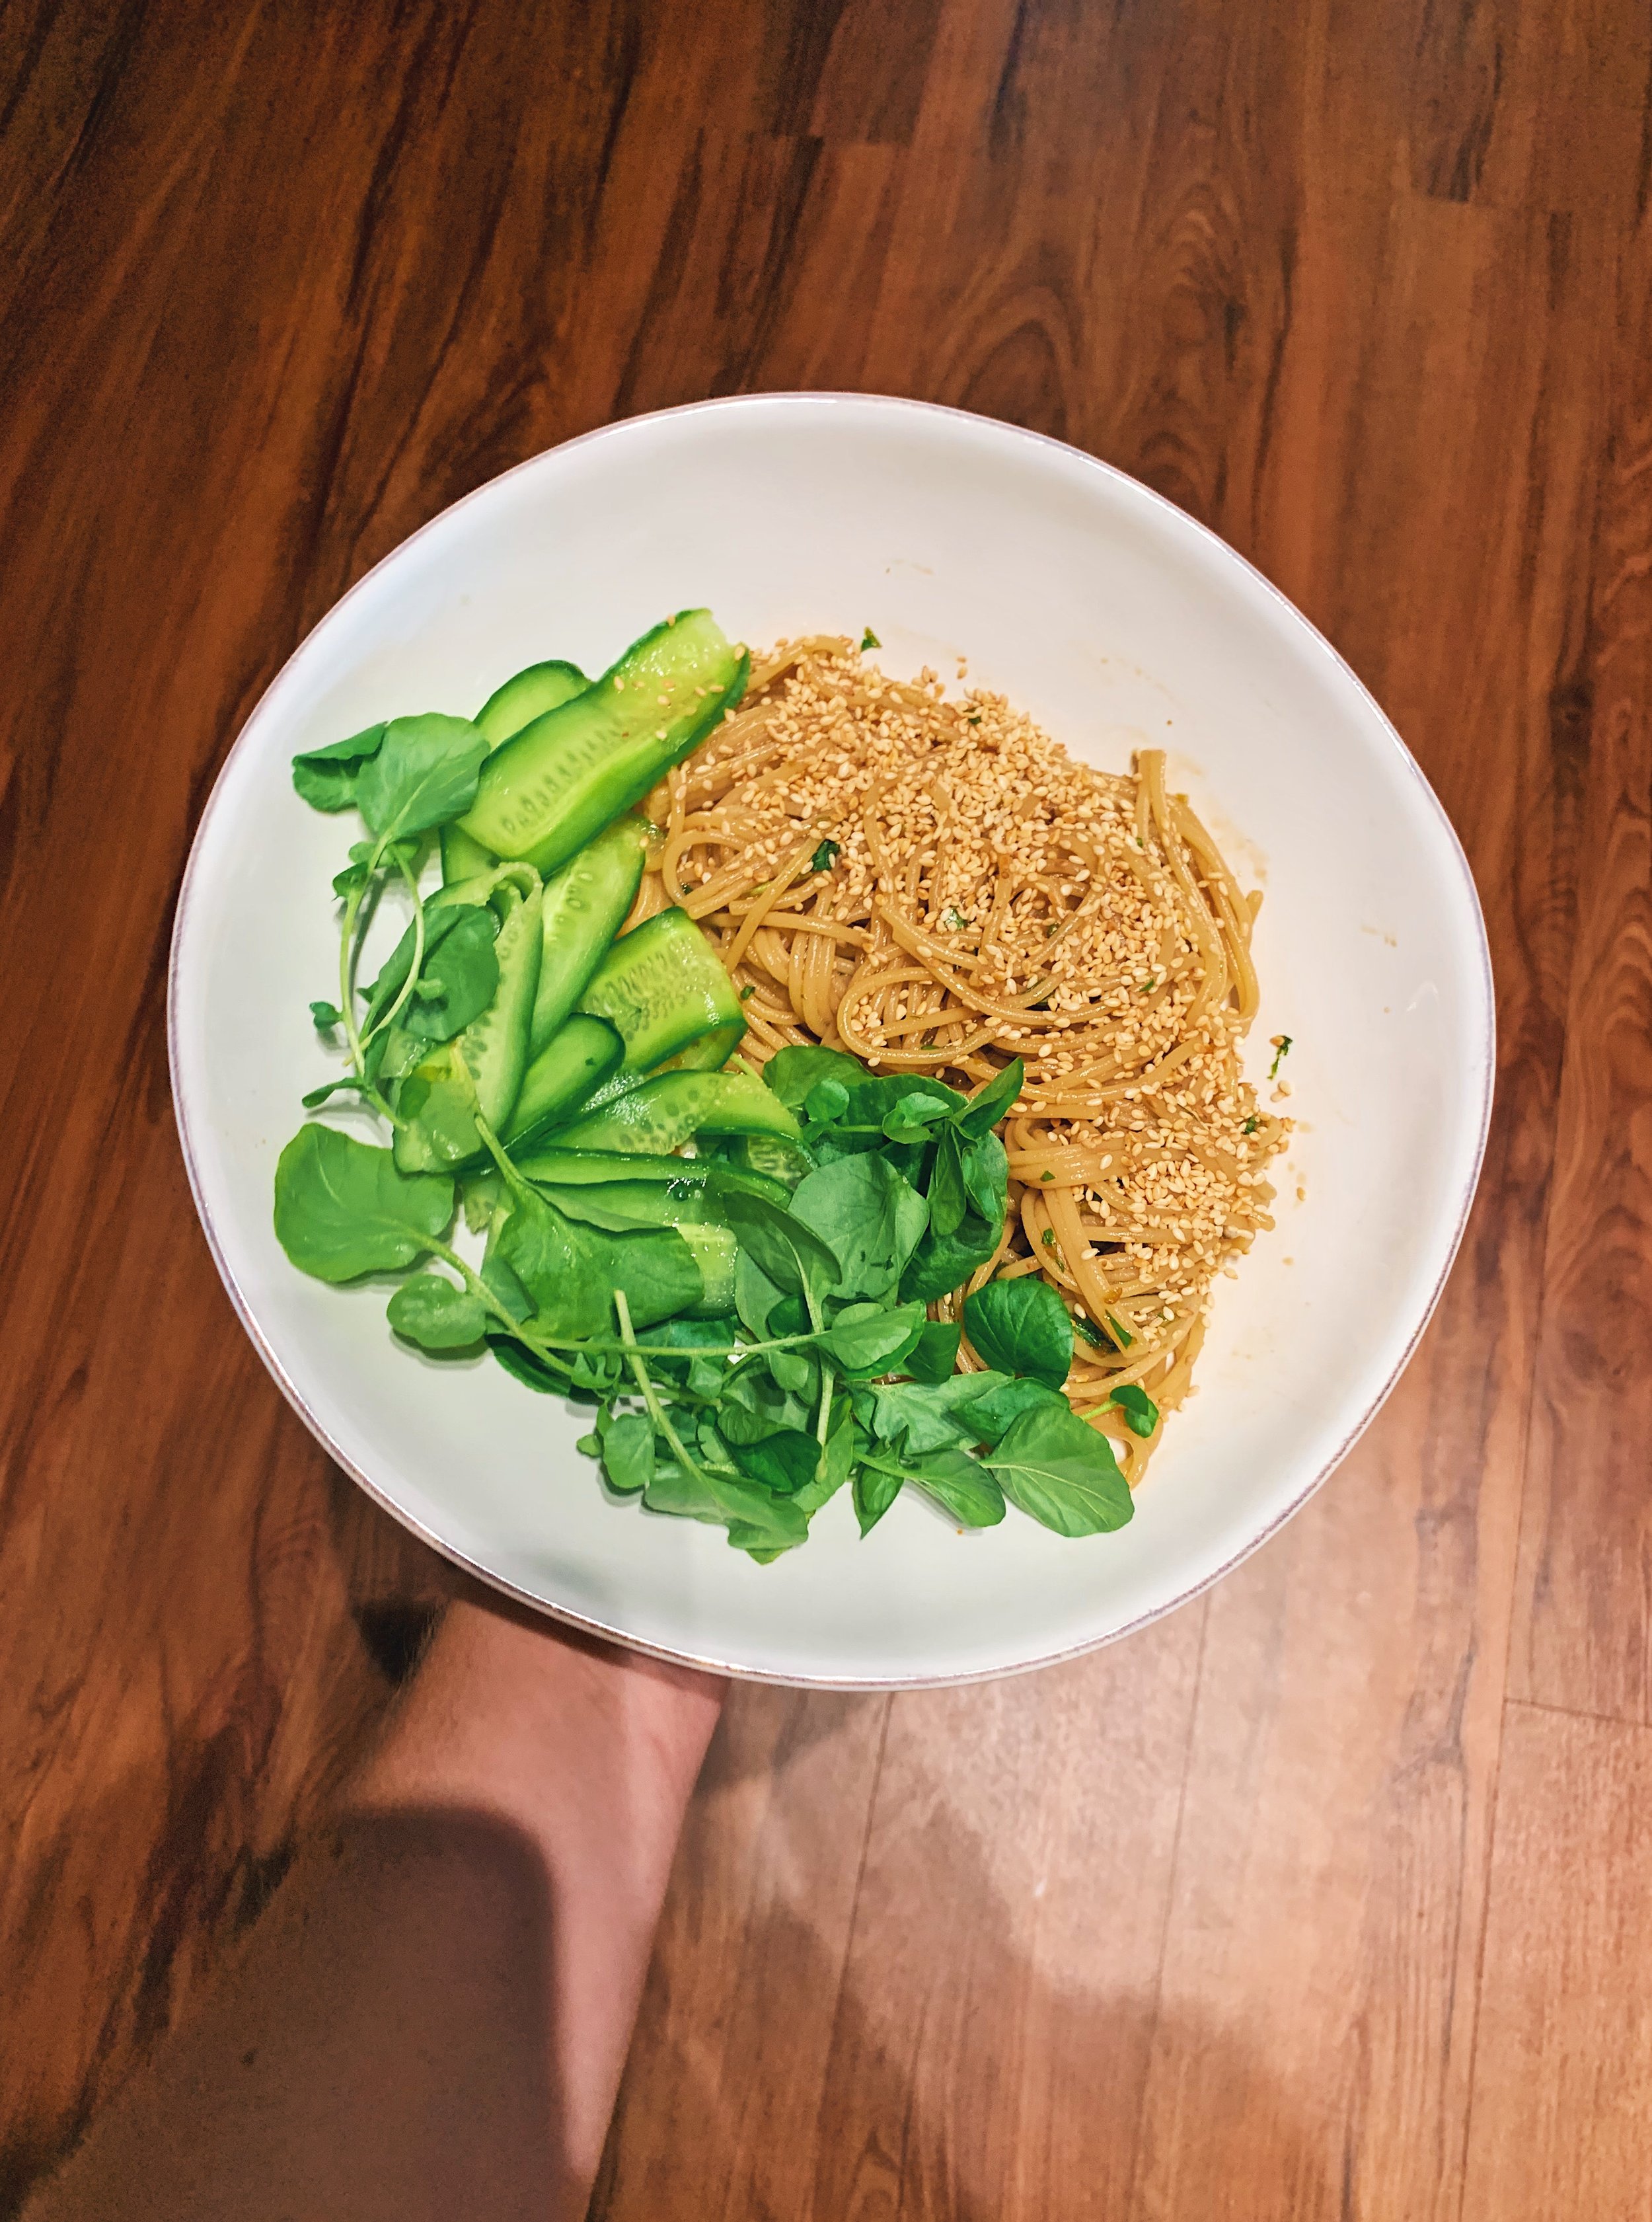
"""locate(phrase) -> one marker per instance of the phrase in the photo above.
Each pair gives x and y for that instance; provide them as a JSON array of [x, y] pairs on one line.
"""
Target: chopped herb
[[1148, 985], [973, 718], [749, 991], [1252, 1124], [1047, 1176], [1281, 1051], [869, 639], [1083, 1327], [1049, 1238], [1121, 1335], [824, 856], [956, 920]]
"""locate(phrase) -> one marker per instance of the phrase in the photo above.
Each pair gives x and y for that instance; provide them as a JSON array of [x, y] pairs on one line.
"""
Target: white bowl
[[1115, 620]]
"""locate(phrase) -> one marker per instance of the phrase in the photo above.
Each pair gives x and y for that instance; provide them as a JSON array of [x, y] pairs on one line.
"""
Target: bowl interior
[[1115, 621]]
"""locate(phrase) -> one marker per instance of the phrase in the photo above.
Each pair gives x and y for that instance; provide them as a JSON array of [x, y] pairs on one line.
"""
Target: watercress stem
[[645, 1384], [349, 953], [396, 1009], [495, 1148]]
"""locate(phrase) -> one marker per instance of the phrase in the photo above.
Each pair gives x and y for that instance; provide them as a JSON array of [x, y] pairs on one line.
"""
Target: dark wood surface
[[1326, 1897]]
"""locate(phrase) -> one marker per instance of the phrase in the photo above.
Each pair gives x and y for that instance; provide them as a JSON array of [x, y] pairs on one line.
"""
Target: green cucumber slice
[[548, 1166], [526, 696], [542, 686], [663, 1113], [717, 1255], [576, 1061], [663, 987], [564, 777], [585, 905]]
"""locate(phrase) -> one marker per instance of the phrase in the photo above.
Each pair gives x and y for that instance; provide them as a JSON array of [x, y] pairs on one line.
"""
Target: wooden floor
[[1331, 1896]]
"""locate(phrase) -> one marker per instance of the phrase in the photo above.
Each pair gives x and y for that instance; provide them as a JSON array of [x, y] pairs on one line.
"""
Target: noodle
[[936, 886]]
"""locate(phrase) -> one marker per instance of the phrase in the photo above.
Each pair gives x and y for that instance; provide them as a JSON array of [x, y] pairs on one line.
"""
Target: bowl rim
[[1482, 1050]]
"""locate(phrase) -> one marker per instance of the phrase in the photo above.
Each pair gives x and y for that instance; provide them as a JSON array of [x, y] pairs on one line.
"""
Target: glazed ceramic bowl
[[1116, 621]]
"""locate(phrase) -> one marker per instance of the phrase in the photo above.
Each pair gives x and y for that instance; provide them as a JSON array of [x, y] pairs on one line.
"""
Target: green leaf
[[457, 978], [1022, 1327], [961, 1485], [823, 858], [327, 777], [571, 1270], [343, 1210], [327, 1016], [872, 1101], [757, 1298], [791, 1370], [876, 1488], [1057, 1468], [435, 1315], [844, 1444], [870, 1217], [755, 1406], [933, 1356], [786, 1460], [871, 1339], [985, 1165], [628, 1451], [931, 1416], [993, 1416], [504, 1286], [793, 1071], [347, 1084], [869, 639], [423, 773], [438, 1097], [753, 1515], [827, 1100], [912, 1117], [948, 1198], [943, 1263], [781, 1246], [1141, 1413], [991, 1104]]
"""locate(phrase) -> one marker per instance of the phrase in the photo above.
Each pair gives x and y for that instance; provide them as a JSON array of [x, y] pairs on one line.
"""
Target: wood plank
[[1564, 2063], [1583, 1618], [991, 2035], [714, 2117]]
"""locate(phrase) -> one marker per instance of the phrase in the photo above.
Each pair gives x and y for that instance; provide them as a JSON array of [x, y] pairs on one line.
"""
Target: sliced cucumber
[[586, 904], [528, 695], [768, 1158], [564, 777], [717, 1255], [663, 1113], [542, 686], [663, 987], [547, 1166], [576, 1060]]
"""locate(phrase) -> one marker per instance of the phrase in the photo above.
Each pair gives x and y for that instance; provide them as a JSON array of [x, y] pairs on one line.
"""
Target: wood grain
[[1274, 1910], [1565, 2055]]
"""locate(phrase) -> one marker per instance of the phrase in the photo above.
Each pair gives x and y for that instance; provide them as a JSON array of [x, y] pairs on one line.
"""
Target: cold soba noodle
[[935, 887]]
